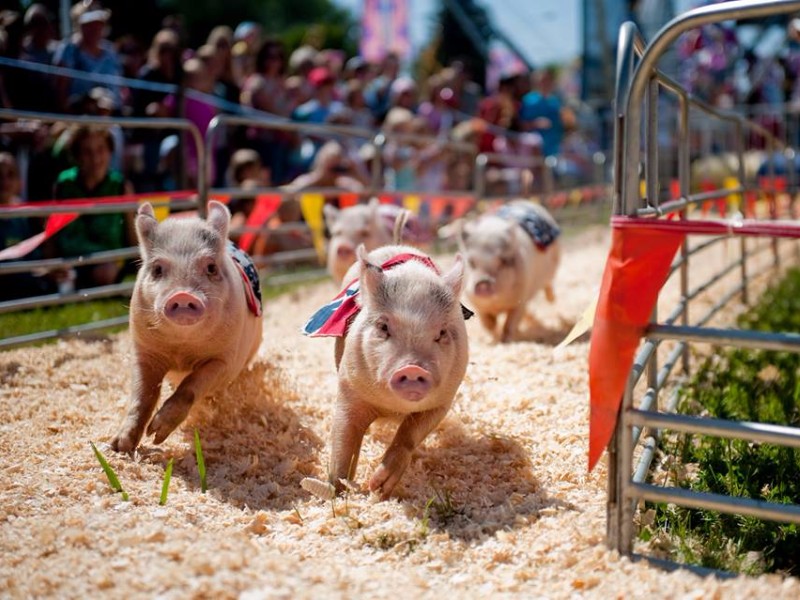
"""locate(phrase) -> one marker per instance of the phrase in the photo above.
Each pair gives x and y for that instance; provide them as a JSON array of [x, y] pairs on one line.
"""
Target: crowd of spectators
[[242, 70]]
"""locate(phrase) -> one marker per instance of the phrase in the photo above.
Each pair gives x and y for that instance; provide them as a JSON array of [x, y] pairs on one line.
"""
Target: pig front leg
[[196, 385], [146, 390], [513, 319], [350, 422], [413, 429], [489, 321]]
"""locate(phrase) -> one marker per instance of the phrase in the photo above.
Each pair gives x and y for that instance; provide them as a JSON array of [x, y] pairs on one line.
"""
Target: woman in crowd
[[92, 177]]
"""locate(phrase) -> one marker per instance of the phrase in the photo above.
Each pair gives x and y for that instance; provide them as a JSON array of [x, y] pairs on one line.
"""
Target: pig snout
[[183, 308], [346, 251], [484, 287], [411, 382]]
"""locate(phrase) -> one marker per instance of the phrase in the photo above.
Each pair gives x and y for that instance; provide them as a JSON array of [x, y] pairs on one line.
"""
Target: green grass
[[60, 317], [201, 463], [165, 485], [113, 480], [739, 385]]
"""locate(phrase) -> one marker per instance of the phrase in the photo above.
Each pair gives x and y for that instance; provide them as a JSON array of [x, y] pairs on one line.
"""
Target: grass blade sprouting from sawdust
[[113, 480], [201, 463], [165, 485]]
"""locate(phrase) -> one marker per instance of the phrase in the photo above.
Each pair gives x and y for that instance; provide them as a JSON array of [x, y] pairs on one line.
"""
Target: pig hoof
[[167, 419], [123, 443]]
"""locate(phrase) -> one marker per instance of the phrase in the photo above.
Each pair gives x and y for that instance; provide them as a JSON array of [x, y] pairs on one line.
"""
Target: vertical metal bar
[[684, 176], [624, 471], [479, 176], [612, 501], [651, 145]]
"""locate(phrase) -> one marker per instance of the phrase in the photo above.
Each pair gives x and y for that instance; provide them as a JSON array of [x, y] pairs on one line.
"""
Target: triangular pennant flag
[[311, 207], [265, 206]]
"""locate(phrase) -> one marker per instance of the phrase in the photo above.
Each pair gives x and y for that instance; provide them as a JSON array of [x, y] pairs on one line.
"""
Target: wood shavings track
[[496, 504]]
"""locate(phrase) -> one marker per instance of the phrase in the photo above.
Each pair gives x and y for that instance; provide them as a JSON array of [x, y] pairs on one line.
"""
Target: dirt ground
[[497, 503]]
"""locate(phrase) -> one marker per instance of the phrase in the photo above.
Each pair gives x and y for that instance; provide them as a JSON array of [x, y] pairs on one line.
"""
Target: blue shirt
[[534, 106]]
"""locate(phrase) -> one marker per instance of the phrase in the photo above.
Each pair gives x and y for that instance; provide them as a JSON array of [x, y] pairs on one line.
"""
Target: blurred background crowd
[[520, 112]]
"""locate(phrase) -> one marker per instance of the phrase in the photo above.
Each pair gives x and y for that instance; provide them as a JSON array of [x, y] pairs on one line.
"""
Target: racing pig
[[369, 224], [401, 351], [195, 317], [511, 255]]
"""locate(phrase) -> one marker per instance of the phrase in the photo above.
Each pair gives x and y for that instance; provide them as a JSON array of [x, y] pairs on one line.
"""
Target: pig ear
[[371, 274], [455, 276], [145, 226], [460, 230], [219, 217], [331, 214]]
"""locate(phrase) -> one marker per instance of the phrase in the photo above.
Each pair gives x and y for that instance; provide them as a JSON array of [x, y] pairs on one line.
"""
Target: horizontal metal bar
[[106, 291], [720, 304], [95, 209], [711, 281], [741, 430], [31, 338], [772, 511], [758, 340], [51, 264]]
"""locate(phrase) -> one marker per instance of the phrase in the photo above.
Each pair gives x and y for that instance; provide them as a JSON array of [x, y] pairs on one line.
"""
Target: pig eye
[[157, 271], [383, 329], [471, 262], [363, 233], [443, 337], [211, 269], [507, 261]]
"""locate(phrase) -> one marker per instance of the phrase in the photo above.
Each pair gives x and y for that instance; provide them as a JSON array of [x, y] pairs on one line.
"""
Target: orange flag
[[636, 268]]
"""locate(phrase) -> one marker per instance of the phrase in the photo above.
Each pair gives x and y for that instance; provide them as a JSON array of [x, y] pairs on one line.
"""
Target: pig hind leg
[[549, 293], [413, 429], [513, 320], [196, 385]]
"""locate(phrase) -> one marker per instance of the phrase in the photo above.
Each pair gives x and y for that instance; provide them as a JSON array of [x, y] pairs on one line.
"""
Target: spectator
[[35, 91], [15, 230], [331, 168], [377, 92], [265, 90], [404, 93], [196, 108], [245, 165], [91, 148], [221, 40], [354, 100], [543, 111], [88, 51]]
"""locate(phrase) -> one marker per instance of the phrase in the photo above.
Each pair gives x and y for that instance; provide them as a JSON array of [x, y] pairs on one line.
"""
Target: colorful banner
[[266, 205], [384, 30]]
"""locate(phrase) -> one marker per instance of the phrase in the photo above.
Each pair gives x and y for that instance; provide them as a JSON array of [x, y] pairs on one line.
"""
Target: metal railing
[[639, 426], [122, 289]]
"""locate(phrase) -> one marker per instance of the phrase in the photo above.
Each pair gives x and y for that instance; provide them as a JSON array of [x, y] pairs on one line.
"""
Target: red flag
[[265, 207], [636, 268]]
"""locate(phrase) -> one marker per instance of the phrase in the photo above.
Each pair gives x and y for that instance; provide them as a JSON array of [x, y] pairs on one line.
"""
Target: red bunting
[[637, 266]]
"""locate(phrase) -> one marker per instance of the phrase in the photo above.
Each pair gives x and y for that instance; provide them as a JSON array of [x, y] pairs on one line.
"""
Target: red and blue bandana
[[249, 274], [333, 319]]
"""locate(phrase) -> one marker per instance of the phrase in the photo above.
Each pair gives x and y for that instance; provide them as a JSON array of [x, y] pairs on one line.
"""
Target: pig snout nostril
[[484, 288], [184, 308], [411, 382], [344, 252]]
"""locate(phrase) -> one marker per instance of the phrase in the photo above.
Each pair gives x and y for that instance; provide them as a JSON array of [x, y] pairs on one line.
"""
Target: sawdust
[[497, 502]]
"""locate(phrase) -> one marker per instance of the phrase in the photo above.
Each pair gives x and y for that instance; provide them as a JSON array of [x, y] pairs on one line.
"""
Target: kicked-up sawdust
[[497, 502]]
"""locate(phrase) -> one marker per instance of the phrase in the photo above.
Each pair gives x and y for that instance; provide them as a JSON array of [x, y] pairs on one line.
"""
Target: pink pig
[[512, 255], [403, 354], [195, 317], [369, 224]]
